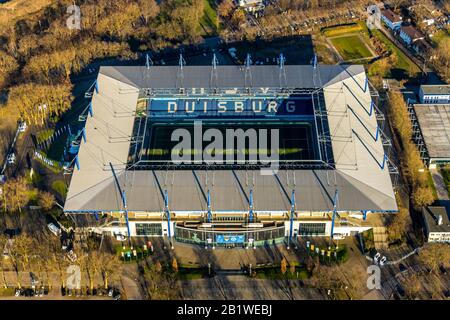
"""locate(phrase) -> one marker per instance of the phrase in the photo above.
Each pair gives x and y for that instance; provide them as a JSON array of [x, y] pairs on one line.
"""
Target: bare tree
[[434, 255], [411, 284], [20, 254], [283, 266], [3, 244], [111, 267], [46, 200]]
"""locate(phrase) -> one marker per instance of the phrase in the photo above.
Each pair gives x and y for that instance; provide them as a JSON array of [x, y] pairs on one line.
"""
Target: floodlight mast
[[291, 218], [208, 200], [124, 200], [166, 209], [335, 203], [251, 207]]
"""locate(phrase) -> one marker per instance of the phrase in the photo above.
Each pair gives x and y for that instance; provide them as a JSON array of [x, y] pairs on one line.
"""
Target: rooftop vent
[[440, 220]]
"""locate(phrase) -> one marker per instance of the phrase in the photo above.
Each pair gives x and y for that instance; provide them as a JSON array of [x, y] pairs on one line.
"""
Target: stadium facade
[[334, 173]]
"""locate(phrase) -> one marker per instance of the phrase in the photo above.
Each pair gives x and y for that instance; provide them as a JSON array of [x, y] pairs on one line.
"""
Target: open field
[[351, 47], [445, 171], [341, 30], [209, 22], [403, 62]]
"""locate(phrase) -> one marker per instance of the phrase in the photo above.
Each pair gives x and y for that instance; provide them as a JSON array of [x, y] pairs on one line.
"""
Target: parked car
[[11, 159], [22, 126], [54, 229], [376, 257]]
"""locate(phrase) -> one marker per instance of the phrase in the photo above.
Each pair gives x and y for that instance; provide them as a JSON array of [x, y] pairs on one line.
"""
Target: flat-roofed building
[[431, 132], [435, 94], [437, 224]]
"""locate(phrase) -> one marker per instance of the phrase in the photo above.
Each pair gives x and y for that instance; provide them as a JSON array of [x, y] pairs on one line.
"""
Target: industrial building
[[431, 124], [335, 170]]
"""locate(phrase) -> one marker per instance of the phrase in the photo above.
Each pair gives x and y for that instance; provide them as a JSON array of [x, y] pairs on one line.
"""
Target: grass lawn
[[351, 47], [439, 36], [60, 187], [209, 22], [445, 171], [403, 62], [432, 186], [44, 135], [343, 29]]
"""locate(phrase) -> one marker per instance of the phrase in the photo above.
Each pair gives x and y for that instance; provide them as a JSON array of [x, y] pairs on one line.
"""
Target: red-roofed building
[[391, 19], [409, 34]]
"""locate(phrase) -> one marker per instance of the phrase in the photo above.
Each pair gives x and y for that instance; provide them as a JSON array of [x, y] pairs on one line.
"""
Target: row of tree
[[43, 256], [412, 165]]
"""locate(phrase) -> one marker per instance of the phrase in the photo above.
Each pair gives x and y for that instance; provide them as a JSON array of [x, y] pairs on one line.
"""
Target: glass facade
[[199, 236], [312, 229], [148, 229]]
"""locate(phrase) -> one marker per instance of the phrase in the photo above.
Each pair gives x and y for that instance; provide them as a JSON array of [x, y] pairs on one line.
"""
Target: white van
[[54, 229]]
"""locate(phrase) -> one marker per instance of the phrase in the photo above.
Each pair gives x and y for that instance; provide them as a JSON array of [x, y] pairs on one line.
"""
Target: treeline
[[47, 51], [17, 194], [413, 167], [43, 256], [279, 16]]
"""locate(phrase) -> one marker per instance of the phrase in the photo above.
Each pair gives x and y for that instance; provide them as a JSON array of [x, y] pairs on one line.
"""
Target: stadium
[[331, 171]]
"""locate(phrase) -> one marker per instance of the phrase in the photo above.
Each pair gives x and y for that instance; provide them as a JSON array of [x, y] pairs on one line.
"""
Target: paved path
[[235, 287], [439, 183], [131, 289]]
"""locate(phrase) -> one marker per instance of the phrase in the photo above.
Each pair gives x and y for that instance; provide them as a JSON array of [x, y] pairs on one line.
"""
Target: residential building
[[391, 19], [409, 34], [435, 94], [437, 225]]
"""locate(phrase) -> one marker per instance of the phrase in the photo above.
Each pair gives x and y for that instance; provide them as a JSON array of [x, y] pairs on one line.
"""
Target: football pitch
[[351, 47], [296, 140]]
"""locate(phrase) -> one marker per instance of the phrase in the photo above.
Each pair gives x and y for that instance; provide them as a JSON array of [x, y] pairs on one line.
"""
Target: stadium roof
[[363, 183]]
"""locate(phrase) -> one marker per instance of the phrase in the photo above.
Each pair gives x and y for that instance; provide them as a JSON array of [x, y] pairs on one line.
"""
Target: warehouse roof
[[434, 122], [360, 177]]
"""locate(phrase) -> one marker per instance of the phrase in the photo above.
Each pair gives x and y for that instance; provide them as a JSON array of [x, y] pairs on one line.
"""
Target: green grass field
[[209, 22], [351, 47], [340, 30], [445, 171], [403, 62], [60, 187]]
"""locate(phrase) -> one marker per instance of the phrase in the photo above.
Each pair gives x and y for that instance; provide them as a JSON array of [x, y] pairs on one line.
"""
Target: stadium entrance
[[230, 234]]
